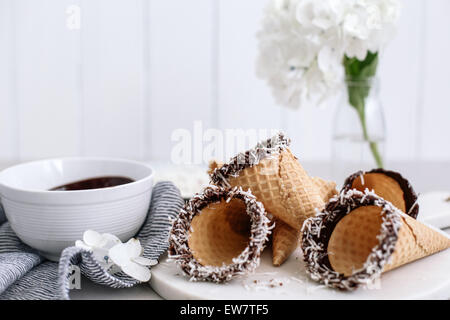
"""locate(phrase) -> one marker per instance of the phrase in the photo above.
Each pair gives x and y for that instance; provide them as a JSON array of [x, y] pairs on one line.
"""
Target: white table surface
[[425, 177], [92, 291]]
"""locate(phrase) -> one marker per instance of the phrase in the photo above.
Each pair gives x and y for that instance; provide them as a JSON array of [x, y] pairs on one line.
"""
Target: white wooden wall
[[138, 69]]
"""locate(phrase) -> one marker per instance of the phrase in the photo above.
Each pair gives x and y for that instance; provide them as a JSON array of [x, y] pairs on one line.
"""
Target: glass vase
[[359, 131]]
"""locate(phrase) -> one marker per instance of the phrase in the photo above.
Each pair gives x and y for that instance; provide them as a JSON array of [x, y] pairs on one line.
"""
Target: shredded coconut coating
[[316, 233], [252, 157], [409, 195], [245, 263]]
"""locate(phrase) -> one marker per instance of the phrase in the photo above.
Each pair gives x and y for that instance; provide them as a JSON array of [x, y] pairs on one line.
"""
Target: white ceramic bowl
[[50, 221]]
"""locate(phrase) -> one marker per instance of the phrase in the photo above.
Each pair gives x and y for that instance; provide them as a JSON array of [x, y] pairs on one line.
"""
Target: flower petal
[[92, 238], [119, 254], [144, 261], [81, 244], [136, 271], [134, 247], [109, 240]]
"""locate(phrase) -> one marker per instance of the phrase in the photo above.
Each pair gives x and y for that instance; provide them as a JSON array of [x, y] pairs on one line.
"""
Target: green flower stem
[[373, 145], [359, 73]]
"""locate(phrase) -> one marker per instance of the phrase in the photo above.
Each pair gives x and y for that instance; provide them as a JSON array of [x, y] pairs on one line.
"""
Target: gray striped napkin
[[25, 275]]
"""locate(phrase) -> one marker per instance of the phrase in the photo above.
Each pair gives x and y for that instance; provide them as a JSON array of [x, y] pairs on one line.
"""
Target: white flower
[[128, 257], [356, 48], [374, 18], [302, 44], [329, 63], [368, 26], [322, 14], [99, 245], [112, 254], [355, 25]]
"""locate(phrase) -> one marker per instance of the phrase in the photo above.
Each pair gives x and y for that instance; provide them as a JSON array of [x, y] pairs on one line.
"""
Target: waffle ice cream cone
[[285, 239], [276, 178], [389, 185], [355, 236], [415, 241], [327, 189], [219, 234], [360, 235]]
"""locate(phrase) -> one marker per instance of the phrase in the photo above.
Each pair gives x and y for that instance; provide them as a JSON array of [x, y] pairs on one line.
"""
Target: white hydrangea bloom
[[112, 254], [324, 14], [128, 257], [302, 44], [99, 244]]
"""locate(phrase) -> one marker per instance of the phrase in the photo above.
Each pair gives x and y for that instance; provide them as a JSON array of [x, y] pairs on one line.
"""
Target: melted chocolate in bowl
[[93, 183]]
